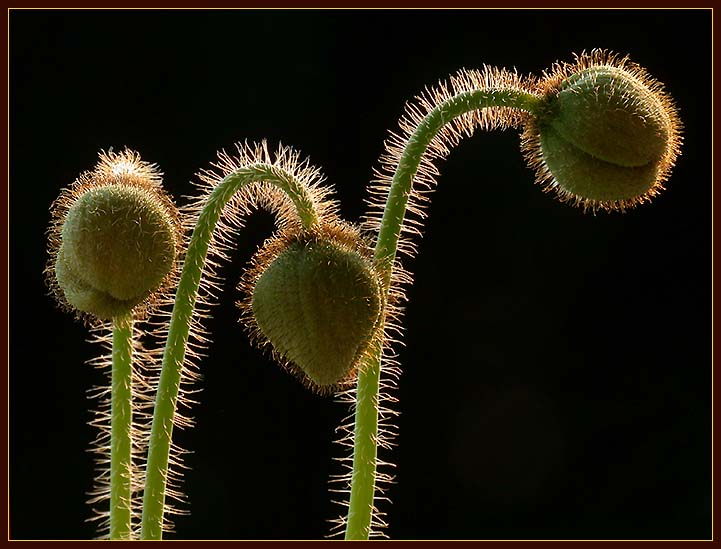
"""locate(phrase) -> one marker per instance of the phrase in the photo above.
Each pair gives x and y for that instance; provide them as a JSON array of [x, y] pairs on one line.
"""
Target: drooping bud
[[608, 135], [317, 300], [114, 239]]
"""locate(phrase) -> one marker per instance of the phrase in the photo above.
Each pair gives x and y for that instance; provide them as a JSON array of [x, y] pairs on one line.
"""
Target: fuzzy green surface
[[118, 242], [610, 115], [318, 305], [588, 177], [84, 297]]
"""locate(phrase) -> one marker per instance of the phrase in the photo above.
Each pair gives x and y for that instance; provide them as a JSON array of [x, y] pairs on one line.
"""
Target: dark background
[[557, 365]]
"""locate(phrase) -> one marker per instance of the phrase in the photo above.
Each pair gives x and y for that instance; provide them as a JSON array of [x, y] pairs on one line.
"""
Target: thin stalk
[[120, 426], [175, 348], [360, 509]]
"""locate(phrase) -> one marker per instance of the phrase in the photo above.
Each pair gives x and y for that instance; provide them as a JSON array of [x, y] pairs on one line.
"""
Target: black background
[[557, 365]]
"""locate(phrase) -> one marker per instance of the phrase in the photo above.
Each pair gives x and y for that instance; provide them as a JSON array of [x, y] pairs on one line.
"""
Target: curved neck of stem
[[175, 349], [360, 511], [401, 185]]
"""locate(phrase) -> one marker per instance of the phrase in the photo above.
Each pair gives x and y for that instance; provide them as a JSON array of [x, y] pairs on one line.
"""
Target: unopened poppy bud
[[607, 135], [115, 238], [317, 299]]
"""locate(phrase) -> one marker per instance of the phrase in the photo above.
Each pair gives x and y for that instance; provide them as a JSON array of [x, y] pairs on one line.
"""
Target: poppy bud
[[115, 238], [317, 299], [607, 135]]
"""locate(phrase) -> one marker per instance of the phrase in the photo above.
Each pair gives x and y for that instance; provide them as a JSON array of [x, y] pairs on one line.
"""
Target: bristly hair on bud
[[114, 240], [315, 300], [607, 136]]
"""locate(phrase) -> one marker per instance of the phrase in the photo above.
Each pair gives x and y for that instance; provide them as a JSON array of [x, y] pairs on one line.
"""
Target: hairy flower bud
[[608, 135], [114, 239], [317, 300]]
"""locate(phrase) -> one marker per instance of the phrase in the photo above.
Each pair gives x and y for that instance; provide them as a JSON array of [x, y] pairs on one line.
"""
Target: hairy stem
[[121, 424], [365, 448], [175, 348], [366, 414]]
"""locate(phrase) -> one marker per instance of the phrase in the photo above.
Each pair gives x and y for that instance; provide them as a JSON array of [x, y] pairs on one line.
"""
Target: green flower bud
[[317, 300], [82, 296], [607, 136], [114, 239]]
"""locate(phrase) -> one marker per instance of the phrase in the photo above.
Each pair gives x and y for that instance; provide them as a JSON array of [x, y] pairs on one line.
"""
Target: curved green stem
[[121, 414], [175, 348], [360, 509], [400, 190]]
